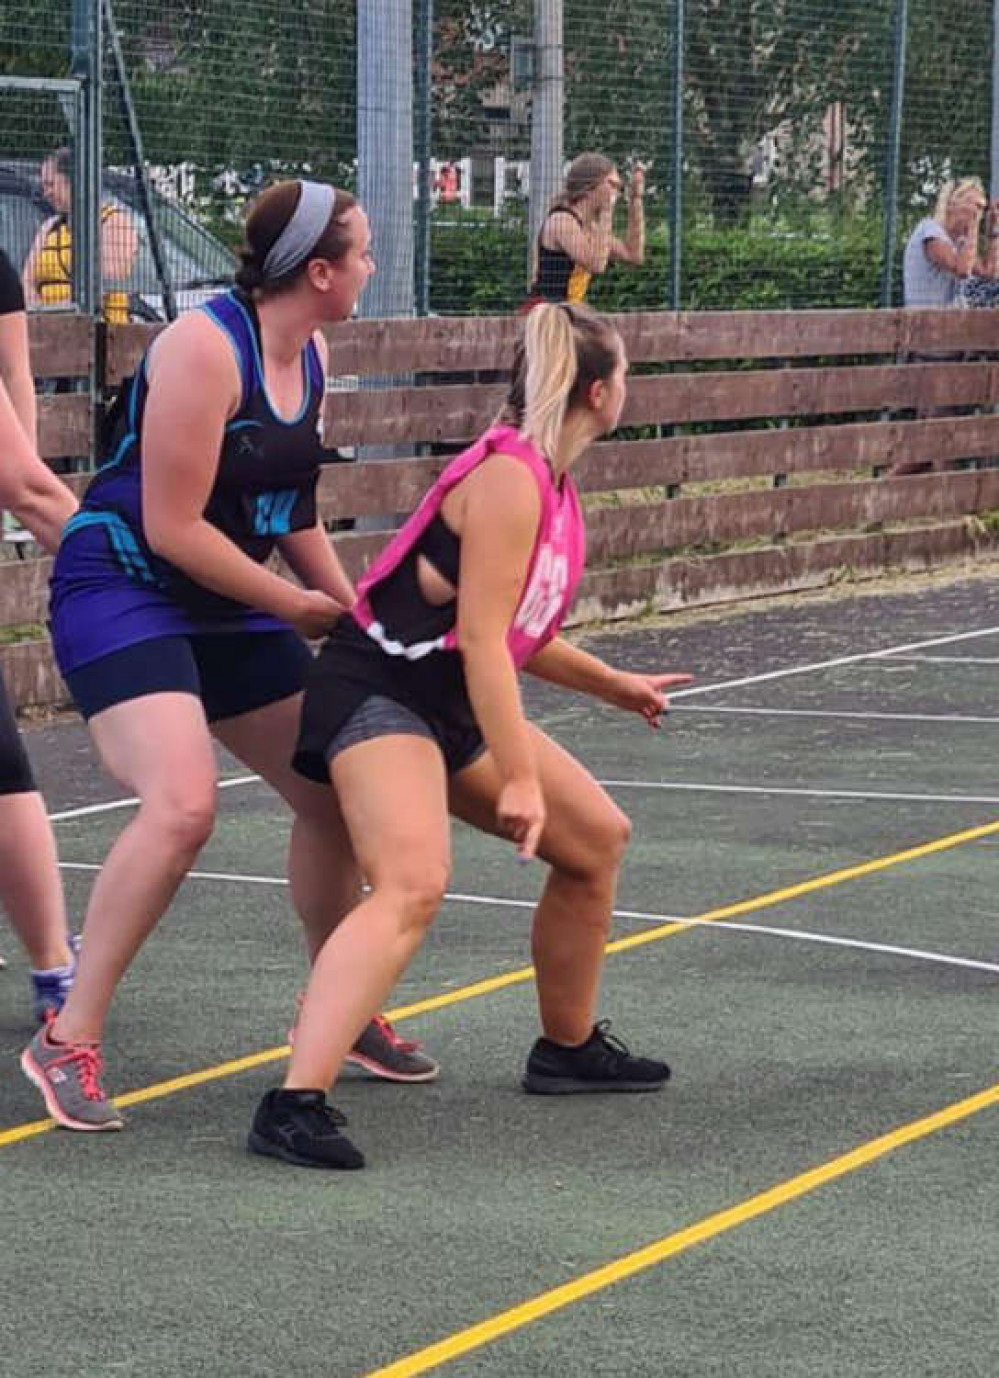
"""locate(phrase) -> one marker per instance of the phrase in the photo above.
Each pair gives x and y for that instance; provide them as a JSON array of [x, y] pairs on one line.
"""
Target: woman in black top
[[577, 237], [30, 886]]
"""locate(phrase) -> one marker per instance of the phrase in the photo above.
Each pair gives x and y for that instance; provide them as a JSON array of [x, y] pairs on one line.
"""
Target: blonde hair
[[566, 348], [955, 191]]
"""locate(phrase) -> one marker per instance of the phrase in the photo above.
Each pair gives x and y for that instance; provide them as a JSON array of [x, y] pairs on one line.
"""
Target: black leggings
[[15, 768]]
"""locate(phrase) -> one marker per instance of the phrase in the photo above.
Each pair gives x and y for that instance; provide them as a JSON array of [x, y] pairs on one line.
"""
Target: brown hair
[[566, 348], [268, 216], [585, 174]]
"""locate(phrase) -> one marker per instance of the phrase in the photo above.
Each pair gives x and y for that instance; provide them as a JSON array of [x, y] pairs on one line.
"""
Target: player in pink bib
[[413, 710]]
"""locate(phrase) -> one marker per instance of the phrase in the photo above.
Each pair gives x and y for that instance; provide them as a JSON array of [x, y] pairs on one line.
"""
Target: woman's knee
[[417, 892], [597, 849], [184, 819]]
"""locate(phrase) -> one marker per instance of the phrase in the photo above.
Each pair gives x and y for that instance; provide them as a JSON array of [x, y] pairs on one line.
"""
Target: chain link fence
[[788, 146]]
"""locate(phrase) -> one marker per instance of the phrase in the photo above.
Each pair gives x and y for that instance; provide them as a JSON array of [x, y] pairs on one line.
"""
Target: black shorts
[[230, 672], [15, 768], [356, 692]]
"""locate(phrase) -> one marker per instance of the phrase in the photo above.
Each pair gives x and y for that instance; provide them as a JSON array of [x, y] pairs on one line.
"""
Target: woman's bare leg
[[393, 796], [159, 748], [323, 874], [30, 886], [584, 840]]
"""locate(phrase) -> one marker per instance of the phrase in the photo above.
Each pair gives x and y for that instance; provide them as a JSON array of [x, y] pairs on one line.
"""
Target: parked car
[[198, 264]]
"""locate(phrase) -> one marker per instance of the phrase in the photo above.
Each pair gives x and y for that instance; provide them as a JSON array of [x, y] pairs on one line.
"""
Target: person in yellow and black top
[[48, 269], [577, 239]]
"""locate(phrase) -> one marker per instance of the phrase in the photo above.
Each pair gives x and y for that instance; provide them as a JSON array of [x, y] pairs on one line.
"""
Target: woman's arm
[[311, 556], [15, 371], [559, 662], [119, 245], [496, 514], [28, 487], [632, 248], [194, 387], [564, 664], [30, 275], [497, 524]]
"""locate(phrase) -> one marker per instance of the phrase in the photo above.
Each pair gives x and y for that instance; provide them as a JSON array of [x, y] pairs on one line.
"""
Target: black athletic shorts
[[357, 692], [230, 672], [15, 768]]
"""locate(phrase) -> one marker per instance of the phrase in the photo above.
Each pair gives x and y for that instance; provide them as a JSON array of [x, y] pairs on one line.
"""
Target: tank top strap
[[316, 372], [232, 318]]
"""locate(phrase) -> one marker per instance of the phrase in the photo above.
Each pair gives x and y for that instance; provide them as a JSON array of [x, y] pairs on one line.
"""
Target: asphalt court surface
[[804, 1027]]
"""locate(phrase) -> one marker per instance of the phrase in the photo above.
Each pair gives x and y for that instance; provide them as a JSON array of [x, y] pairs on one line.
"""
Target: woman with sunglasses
[[577, 239]]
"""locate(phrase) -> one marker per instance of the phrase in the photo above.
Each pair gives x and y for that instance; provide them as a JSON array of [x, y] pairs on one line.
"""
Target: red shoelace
[[89, 1063], [405, 1045]]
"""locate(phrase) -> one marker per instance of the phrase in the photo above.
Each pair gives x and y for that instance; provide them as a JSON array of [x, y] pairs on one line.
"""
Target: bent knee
[[417, 893], [609, 840], [184, 823], [598, 850]]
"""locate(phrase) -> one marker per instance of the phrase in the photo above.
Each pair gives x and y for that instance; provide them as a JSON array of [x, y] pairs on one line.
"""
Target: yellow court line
[[463, 1341], [523, 974]]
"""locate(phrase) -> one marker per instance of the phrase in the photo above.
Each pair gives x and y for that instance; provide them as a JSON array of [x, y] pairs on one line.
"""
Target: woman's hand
[[636, 187], [315, 613], [520, 811], [643, 693]]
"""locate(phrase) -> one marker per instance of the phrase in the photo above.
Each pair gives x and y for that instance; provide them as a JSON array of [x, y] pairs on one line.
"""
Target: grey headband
[[301, 234]]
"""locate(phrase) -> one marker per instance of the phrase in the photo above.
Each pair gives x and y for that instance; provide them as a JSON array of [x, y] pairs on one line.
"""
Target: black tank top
[[559, 277]]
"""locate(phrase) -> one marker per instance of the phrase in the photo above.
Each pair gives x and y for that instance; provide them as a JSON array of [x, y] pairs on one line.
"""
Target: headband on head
[[301, 234]]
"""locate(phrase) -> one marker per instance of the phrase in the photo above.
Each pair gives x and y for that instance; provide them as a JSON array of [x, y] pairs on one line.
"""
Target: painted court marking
[[695, 786], [628, 1265], [524, 974], [229, 783], [833, 713], [947, 660], [496, 902], [833, 663]]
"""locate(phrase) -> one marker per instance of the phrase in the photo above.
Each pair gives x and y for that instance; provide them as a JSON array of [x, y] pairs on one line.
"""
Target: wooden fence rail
[[750, 460]]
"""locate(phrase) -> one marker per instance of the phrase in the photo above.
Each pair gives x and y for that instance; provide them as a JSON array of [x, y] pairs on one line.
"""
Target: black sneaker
[[602, 1063], [300, 1128]]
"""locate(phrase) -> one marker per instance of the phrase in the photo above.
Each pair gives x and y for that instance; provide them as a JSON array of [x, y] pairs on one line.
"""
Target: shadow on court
[[826, 1009]]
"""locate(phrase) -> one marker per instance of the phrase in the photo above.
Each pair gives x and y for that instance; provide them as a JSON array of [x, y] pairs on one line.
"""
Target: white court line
[[494, 901], [831, 664], [88, 809], [679, 694], [695, 787], [942, 958], [947, 660], [832, 713]]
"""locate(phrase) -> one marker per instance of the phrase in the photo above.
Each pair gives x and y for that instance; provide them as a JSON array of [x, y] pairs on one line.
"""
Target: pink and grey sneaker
[[69, 1078], [380, 1052]]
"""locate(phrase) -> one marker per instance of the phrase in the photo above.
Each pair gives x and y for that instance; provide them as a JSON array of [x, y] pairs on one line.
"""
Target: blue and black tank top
[[109, 588]]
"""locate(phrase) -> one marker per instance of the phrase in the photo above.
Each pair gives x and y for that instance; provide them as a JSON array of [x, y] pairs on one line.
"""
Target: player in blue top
[[168, 625]]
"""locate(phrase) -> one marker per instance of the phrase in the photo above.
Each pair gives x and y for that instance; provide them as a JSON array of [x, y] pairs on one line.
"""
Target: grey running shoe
[[69, 1077], [380, 1052]]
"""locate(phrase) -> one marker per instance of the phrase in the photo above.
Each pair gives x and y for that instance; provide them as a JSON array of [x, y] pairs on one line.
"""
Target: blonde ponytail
[[565, 349], [549, 373]]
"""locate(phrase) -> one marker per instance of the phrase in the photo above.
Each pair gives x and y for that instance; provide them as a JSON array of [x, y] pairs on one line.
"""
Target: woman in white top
[[943, 249]]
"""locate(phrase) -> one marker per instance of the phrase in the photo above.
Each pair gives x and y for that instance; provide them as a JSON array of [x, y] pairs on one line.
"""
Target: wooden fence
[[760, 441]]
